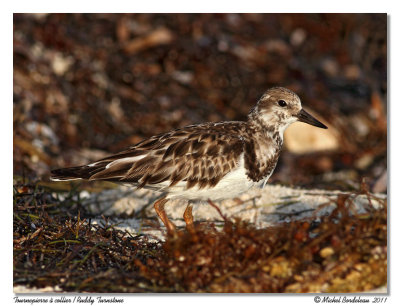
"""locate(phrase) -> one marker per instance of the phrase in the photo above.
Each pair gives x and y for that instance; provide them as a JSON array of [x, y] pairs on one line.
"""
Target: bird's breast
[[261, 159]]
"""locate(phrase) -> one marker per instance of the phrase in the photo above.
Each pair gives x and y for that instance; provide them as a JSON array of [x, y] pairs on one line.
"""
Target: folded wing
[[198, 156]]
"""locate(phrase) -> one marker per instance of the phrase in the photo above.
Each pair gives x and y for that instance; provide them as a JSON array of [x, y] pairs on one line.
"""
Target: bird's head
[[279, 107]]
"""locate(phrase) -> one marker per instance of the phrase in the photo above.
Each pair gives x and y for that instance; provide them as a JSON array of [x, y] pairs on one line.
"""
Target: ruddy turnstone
[[208, 161]]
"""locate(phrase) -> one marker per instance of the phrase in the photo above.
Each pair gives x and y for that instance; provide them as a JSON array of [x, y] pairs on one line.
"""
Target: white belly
[[229, 186]]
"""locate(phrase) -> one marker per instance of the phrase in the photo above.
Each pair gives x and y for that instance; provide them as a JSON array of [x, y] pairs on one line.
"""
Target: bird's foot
[[188, 217], [159, 208]]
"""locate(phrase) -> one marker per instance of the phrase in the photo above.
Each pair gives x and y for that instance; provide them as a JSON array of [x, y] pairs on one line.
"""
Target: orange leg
[[188, 217], [159, 208]]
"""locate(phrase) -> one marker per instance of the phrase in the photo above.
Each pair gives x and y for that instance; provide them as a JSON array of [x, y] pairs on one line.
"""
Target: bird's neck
[[266, 131]]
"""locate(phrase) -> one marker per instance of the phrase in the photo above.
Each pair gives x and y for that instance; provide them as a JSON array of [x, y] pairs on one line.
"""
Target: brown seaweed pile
[[55, 245]]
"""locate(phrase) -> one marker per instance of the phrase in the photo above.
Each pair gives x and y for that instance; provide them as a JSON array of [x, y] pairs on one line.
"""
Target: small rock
[[297, 37], [330, 67], [381, 184], [326, 252], [364, 161], [61, 64], [184, 77]]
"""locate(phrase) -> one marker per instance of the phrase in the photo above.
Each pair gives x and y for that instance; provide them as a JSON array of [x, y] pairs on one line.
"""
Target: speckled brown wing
[[197, 155]]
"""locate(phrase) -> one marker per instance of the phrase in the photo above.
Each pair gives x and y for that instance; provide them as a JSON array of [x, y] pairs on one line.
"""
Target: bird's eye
[[282, 103]]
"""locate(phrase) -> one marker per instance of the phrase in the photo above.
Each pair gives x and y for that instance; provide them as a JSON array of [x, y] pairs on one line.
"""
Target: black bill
[[307, 118]]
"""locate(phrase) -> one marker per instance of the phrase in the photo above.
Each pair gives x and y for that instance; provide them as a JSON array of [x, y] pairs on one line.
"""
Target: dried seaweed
[[341, 252]]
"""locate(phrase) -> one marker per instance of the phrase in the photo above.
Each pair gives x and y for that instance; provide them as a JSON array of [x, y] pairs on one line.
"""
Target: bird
[[203, 162]]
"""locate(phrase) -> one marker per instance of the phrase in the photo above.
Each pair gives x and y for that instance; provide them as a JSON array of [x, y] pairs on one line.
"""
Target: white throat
[[282, 128]]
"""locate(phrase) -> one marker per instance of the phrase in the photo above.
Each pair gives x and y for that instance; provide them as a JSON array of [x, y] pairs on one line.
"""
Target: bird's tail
[[69, 174]]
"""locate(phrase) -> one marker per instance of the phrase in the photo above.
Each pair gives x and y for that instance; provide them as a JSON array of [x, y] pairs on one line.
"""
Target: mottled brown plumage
[[199, 155], [204, 161]]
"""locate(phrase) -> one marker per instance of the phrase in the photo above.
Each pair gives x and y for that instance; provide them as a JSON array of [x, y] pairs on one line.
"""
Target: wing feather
[[196, 155]]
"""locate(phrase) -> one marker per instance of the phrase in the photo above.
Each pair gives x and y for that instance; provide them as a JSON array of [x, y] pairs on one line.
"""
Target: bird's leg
[[188, 217], [159, 208]]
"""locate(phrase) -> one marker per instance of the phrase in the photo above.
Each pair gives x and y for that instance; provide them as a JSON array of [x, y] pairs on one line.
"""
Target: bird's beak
[[303, 116]]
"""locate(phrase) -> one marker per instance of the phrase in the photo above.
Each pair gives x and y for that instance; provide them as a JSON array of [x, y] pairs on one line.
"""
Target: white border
[[173, 6]]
